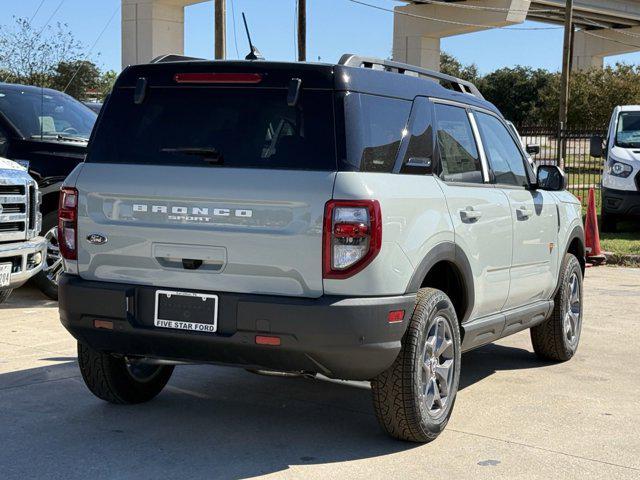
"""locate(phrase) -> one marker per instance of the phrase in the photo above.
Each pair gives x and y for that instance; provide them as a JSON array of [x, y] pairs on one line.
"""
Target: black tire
[[110, 378], [40, 279], [398, 400], [552, 340], [608, 223], [4, 294]]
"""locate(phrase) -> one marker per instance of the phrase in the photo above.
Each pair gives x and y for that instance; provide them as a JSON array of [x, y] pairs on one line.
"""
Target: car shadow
[[210, 421], [28, 296]]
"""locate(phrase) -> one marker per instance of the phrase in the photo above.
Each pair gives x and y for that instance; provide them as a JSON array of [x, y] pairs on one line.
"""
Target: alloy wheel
[[438, 367], [53, 266], [572, 316]]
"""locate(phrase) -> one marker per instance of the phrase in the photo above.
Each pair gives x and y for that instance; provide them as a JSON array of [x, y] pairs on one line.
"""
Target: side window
[[420, 145], [459, 157], [503, 155], [375, 127]]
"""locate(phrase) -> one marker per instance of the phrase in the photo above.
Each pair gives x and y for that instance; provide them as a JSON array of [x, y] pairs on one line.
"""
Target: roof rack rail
[[457, 84], [172, 57]]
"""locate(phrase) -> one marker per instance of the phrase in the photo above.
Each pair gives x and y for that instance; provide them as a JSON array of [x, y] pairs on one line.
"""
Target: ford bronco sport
[[366, 220]]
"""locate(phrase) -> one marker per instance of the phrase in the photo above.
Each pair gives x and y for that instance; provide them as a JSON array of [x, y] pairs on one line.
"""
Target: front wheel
[[47, 278], [413, 399], [557, 338], [4, 294], [117, 380]]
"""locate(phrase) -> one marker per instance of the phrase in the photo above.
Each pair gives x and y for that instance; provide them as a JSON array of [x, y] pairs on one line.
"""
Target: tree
[[30, 56], [593, 95], [516, 92], [452, 66]]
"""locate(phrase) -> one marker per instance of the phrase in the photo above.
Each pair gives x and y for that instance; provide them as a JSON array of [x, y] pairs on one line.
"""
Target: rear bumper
[[348, 338], [19, 254], [621, 202]]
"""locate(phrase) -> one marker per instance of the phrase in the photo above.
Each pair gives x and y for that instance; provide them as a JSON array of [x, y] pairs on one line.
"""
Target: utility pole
[[220, 18], [302, 30], [566, 73]]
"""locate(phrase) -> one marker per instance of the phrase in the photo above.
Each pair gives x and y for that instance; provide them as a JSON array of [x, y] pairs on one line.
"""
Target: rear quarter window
[[375, 127]]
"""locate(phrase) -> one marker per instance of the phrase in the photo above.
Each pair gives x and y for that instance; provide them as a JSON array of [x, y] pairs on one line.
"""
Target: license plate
[[197, 312], [5, 274]]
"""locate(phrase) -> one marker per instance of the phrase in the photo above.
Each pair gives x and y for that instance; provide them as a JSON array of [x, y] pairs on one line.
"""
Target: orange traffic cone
[[591, 233]]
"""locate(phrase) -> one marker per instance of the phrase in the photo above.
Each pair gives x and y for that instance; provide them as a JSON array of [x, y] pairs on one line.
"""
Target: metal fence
[[583, 171]]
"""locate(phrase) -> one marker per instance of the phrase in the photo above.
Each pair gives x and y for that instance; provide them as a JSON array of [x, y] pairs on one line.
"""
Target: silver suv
[[366, 220]]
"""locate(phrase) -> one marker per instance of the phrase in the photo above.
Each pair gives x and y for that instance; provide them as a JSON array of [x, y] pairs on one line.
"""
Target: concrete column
[[589, 51], [416, 40], [151, 28]]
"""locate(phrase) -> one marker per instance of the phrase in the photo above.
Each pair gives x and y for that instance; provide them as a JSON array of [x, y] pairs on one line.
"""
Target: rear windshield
[[229, 127]]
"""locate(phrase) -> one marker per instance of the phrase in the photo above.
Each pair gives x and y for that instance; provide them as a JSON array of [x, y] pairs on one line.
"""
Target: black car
[[46, 131]]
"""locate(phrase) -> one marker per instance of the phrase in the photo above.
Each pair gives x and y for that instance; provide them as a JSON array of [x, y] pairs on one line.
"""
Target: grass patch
[[624, 242]]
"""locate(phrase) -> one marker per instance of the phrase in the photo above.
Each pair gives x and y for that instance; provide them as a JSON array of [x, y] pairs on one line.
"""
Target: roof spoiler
[[172, 57], [457, 84]]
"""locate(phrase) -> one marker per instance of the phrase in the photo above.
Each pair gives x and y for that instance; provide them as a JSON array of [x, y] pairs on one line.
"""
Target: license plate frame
[[5, 274], [209, 326]]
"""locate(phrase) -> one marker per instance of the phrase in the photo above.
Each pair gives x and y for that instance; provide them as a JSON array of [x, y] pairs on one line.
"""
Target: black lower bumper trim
[[348, 338], [621, 202]]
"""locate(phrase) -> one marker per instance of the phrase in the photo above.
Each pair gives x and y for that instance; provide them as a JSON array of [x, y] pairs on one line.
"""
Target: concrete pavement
[[515, 417]]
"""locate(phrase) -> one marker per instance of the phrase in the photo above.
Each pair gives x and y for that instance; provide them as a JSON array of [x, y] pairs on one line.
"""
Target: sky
[[334, 27]]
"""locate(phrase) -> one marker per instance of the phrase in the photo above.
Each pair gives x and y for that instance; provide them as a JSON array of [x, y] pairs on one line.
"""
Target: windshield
[[48, 116], [628, 130], [230, 127]]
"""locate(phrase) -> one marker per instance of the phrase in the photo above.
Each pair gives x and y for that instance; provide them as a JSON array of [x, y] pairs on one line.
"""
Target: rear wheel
[[47, 278], [557, 338], [413, 399], [117, 380]]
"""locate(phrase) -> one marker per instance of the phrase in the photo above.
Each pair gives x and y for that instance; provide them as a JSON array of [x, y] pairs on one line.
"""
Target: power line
[[92, 47], [36, 12], [451, 22], [50, 17]]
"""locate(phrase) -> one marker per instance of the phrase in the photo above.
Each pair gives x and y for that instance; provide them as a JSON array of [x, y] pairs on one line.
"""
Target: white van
[[621, 173]]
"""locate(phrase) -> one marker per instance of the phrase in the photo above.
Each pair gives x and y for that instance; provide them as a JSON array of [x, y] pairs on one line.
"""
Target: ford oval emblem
[[97, 239]]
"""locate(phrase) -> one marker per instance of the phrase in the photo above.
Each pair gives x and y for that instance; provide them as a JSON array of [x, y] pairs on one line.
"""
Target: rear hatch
[[205, 176]]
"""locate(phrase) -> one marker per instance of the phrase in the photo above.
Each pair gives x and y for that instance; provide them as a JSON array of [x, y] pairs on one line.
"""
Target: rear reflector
[[104, 324], [266, 340], [395, 316], [217, 78]]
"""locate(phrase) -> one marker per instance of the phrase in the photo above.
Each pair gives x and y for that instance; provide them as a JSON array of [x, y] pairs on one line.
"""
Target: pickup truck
[[21, 249]]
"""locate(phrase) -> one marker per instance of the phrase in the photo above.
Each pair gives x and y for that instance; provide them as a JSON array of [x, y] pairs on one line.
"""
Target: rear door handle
[[469, 215], [523, 213]]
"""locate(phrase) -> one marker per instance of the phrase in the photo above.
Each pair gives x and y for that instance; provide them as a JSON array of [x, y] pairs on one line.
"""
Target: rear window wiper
[[58, 136], [208, 154]]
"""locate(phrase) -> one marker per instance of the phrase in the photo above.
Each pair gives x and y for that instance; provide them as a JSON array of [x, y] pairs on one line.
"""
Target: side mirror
[[595, 147], [551, 177], [533, 149]]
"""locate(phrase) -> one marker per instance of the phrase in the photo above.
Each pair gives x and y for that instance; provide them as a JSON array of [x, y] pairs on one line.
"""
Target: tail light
[[68, 223], [352, 236]]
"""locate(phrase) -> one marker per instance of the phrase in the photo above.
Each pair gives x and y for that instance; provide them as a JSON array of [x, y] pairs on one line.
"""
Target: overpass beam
[[591, 47], [416, 40]]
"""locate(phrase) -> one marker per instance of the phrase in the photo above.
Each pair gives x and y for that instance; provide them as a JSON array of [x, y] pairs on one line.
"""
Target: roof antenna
[[254, 54]]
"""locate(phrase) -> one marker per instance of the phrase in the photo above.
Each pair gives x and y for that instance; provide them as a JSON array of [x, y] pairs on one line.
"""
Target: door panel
[[482, 224], [535, 246]]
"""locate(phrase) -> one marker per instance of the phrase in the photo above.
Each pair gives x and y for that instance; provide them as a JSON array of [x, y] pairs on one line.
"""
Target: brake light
[[68, 223], [217, 78], [352, 236]]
